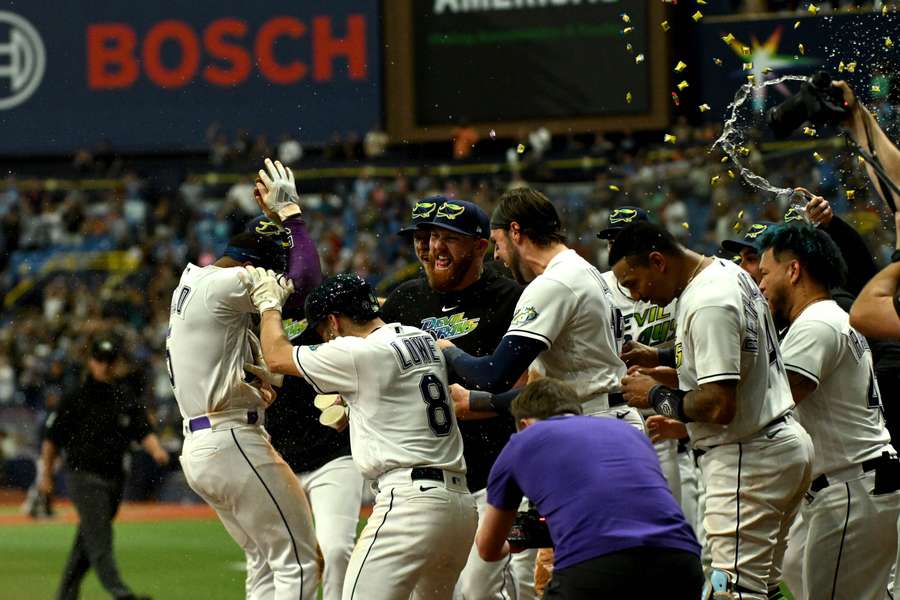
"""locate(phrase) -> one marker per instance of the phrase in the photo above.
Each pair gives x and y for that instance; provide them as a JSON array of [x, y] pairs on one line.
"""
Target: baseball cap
[[749, 240], [423, 212], [264, 250], [104, 349], [347, 294], [261, 225], [463, 217], [620, 217]]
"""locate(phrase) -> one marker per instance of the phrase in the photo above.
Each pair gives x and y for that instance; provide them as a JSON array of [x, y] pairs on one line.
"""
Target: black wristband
[[666, 356], [669, 402], [480, 401]]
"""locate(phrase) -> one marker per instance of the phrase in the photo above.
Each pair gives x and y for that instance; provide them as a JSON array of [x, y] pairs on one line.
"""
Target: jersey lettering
[[749, 295], [435, 396], [449, 327], [415, 351]]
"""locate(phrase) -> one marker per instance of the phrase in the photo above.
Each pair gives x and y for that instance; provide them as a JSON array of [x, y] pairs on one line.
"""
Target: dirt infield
[[130, 512]]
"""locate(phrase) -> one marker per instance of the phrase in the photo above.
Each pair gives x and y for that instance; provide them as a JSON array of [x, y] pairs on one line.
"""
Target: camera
[[529, 530], [818, 102]]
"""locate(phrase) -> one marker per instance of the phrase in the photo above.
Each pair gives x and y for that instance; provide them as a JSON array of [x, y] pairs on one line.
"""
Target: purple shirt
[[598, 483]]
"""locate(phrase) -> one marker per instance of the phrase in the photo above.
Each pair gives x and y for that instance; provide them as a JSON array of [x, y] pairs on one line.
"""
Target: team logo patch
[[757, 230], [314, 347], [524, 315], [450, 210], [423, 210], [678, 355], [793, 214], [449, 327], [272, 229], [292, 328], [622, 215]]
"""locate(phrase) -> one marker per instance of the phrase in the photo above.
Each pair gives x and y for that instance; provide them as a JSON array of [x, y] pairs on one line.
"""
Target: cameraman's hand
[[818, 209], [849, 96]]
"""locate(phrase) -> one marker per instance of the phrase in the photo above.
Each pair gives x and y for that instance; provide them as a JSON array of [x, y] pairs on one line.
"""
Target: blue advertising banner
[[149, 76]]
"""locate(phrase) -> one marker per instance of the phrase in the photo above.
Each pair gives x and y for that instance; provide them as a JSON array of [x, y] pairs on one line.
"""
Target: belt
[[698, 452], [451, 480], [616, 399], [848, 474], [430, 473], [250, 417]]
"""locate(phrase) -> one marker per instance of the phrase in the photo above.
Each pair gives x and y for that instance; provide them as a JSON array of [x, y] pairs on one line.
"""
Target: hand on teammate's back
[[276, 191], [268, 290], [635, 353]]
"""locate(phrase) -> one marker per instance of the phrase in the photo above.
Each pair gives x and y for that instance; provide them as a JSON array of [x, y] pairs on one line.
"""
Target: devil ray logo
[[756, 230], [423, 210], [622, 215], [450, 210], [22, 60]]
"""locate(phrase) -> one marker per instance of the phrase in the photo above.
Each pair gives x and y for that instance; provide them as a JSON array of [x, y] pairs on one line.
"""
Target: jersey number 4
[[435, 396]]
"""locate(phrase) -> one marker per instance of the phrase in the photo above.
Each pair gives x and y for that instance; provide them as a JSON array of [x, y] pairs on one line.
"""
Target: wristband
[[481, 401], [666, 356], [669, 402]]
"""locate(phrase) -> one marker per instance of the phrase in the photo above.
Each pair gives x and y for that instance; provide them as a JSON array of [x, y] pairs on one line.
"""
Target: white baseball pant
[[416, 541], [792, 566], [753, 491], [693, 499], [626, 413], [481, 580], [261, 504], [667, 453], [335, 493]]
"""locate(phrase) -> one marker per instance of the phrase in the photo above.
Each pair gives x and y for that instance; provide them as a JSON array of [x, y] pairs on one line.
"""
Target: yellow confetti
[[851, 67], [704, 107], [665, 26], [809, 131], [731, 173], [767, 70], [520, 148], [818, 157], [626, 18], [629, 47], [628, 30], [714, 180], [745, 151], [813, 9], [718, 62], [841, 67], [740, 214], [685, 225], [736, 226], [728, 38], [888, 43], [748, 66], [724, 159], [745, 50], [697, 16], [884, 9], [682, 85], [669, 138], [701, 2], [614, 188], [876, 89], [801, 48], [850, 194], [680, 67], [796, 24], [639, 59], [628, 97], [750, 78], [860, 159]]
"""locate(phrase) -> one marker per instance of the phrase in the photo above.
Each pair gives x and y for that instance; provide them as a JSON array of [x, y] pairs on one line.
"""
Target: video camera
[[818, 102], [529, 530]]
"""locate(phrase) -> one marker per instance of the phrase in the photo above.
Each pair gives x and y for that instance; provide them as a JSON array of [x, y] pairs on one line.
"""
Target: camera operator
[[876, 312], [638, 538]]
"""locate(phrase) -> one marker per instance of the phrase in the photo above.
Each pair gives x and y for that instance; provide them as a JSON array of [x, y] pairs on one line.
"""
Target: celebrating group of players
[[768, 441]]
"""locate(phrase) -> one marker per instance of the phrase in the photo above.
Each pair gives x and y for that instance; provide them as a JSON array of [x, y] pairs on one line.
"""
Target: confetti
[[796, 24], [614, 188], [850, 194], [682, 85], [714, 180], [740, 214], [767, 70], [629, 47], [888, 43], [841, 67], [718, 62], [680, 67], [669, 138], [628, 30], [748, 66], [809, 131], [745, 50], [731, 173], [884, 9], [736, 226], [851, 67], [628, 97], [493, 134], [685, 225], [665, 26], [701, 2], [626, 18], [520, 148], [801, 48], [860, 160], [876, 89], [813, 9], [750, 78], [675, 99], [745, 151], [704, 107], [697, 16], [639, 59], [728, 38], [818, 157], [724, 159]]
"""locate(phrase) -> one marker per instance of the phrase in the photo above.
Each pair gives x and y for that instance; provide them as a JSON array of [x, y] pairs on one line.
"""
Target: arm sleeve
[[809, 348], [543, 311], [330, 368], [503, 491], [715, 337], [856, 254], [499, 371], [303, 266]]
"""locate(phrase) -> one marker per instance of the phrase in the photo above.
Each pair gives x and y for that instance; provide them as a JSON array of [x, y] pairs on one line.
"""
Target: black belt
[[821, 482], [698, 452], [616, 399], [430, 473]]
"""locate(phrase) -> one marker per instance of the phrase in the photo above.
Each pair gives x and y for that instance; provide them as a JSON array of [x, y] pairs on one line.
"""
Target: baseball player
[[227, 458], [852, 509], [403, 434], [564, 319], [731, 395], [460, 300]]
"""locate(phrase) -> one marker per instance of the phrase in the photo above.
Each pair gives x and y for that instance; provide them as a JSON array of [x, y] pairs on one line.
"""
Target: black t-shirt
[[95, 425], [293, 422], [475, 319]]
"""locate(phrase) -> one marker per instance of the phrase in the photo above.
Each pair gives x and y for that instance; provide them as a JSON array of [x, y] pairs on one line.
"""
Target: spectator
[[464, 139], [375, 143]]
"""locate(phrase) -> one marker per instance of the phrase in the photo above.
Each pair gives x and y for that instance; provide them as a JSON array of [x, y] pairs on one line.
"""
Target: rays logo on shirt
[[678, 355], [449, 327], [292, 328], [524, 315]]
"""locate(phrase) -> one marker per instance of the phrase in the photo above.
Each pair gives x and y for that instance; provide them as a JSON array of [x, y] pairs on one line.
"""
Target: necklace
[[696, 270]]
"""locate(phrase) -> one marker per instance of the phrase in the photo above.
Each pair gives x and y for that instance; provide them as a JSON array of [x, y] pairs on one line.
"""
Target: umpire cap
[[347, 294], [423, 213]]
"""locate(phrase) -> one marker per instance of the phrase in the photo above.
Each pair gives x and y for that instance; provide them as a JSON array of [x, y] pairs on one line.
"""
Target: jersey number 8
[[435, 396]]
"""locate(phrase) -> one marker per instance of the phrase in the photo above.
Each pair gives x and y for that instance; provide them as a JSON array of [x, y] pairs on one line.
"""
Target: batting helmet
[[346, 294]]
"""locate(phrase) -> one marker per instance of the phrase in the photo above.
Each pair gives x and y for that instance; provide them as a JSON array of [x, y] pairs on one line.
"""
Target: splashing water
[[731, 137]]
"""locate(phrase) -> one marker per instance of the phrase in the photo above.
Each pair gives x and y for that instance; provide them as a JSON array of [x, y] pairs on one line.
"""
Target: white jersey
[[725, 332], [645, 322], [569, 308], [209, 342], [395, 384], [843, 415]]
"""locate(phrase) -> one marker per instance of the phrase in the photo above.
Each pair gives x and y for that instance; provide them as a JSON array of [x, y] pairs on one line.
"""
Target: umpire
[[95, 426], [460, 300]]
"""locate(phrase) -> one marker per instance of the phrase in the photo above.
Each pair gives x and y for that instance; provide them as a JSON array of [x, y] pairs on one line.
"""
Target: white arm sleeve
[[331, 367], [810, 349], [715, 334], [543, 310]]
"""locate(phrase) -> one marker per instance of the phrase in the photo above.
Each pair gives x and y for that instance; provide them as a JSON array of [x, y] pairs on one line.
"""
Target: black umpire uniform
[[96, 425]]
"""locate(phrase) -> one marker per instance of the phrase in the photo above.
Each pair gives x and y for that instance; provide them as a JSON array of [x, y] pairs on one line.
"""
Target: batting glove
[[268, 290], [278, 190], [259, 367]]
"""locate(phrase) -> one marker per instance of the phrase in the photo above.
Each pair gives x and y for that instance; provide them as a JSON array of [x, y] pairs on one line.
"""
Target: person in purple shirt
[[617, 530]]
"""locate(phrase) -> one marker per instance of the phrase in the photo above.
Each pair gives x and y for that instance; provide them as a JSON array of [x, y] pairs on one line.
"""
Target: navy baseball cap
[[621, 217], [750, 239], [423, 212], [463, 217], [347, 294]]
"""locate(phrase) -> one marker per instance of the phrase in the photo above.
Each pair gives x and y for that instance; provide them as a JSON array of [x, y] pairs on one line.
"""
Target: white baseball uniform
[[757, 468], [851, 533], [227, 458], [403, 435], [569, 308]]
